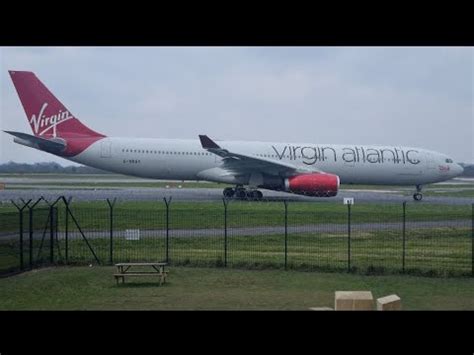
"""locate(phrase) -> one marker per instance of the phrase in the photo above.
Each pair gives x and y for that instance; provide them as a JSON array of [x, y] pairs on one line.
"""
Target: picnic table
[[129, 269]]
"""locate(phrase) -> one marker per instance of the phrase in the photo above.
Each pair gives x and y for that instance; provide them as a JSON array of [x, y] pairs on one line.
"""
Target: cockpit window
[[449, 160]]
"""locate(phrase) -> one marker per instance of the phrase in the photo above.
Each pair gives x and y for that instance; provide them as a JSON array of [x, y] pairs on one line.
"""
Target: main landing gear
[[241, 193], [417, 196]]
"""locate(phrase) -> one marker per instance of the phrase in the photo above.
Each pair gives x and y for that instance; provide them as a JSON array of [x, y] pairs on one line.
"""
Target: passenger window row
[[269, 156], [143, 151]]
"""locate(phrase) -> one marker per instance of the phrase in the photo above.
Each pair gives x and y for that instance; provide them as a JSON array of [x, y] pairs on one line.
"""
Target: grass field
[[84, 288], [95, 214]]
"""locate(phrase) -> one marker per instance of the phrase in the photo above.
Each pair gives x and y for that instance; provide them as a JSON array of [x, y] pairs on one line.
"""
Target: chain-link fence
[[415, 238], [28, 237]]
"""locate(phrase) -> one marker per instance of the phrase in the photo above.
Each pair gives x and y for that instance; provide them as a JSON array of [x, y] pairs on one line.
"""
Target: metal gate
[[39, 237]]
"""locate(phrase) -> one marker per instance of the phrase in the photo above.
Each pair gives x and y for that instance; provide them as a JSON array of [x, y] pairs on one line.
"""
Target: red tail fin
[[47, 116]]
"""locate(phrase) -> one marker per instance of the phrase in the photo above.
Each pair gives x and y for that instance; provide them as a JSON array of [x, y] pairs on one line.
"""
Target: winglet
[[208, 143]]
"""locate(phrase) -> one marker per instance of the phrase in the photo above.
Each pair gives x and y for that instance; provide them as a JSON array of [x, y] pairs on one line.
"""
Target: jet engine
[[312, 184], [317, 184]]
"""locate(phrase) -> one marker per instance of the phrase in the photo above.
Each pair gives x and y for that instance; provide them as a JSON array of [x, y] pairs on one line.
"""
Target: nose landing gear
[[417, 196]]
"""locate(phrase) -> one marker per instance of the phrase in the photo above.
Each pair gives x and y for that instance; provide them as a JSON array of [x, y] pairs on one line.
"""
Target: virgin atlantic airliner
[[299, 168]]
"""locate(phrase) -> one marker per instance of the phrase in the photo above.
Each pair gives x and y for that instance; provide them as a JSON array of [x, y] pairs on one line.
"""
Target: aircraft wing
[[243, 163]]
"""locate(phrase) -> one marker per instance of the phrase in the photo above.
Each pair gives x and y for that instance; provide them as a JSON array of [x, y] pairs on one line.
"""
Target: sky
[[413, 96]]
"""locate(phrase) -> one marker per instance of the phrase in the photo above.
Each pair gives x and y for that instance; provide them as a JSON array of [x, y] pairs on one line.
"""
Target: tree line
[[47, 168]]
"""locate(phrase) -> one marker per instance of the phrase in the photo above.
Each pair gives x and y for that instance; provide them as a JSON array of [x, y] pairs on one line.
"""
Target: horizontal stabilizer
[[55, 145]]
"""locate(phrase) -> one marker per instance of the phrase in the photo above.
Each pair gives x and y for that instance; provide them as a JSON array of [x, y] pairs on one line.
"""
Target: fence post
[[56, 229], [30, 215], [224, 200], [51, 234], [286, 234], [404, 235], [66, 228], [20, 211], [349, 237], [111, 220], [30, 227], [21, 239], [167, 203], [52, 224]]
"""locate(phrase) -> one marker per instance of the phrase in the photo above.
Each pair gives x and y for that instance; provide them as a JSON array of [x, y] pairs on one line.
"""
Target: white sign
[[132, 234], [348, 200]]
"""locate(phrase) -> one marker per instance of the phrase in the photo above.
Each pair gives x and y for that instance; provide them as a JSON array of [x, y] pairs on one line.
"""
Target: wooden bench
[[159, 270], [162, 276]]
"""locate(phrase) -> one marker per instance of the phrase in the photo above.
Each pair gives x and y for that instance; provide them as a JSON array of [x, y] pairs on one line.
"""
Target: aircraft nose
[[458, 170]]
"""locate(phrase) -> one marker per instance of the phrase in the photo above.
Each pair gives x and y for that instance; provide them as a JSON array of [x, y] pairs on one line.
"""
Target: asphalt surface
[[212, 194]]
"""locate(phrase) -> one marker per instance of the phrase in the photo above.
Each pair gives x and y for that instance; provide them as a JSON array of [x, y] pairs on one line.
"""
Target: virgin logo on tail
[[41, 121]]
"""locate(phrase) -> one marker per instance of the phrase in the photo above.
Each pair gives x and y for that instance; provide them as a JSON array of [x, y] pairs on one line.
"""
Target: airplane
[[301, 168]]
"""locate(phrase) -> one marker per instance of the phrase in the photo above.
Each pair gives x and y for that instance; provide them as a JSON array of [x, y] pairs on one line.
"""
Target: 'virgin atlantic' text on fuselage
[[313, 154]]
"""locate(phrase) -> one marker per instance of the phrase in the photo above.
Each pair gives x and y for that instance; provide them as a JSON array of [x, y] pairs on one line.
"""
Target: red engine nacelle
[[318, 184]]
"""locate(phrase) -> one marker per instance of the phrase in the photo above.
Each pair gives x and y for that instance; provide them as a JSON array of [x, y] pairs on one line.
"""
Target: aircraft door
[[106, 149], [430, 161]]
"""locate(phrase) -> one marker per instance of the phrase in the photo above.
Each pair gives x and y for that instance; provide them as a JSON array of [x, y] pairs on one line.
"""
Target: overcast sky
[[420, 97]]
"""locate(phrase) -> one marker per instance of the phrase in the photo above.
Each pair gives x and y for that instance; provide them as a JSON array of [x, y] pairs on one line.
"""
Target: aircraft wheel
[[417, 196], [229, 192], [240, 194], [255, 195], [258, 195]]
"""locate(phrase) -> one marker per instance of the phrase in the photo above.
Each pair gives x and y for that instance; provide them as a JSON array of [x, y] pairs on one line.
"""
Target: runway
[[213, 194]]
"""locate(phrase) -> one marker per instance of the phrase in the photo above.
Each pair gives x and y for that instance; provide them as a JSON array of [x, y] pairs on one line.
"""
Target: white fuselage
[[178, 159]]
